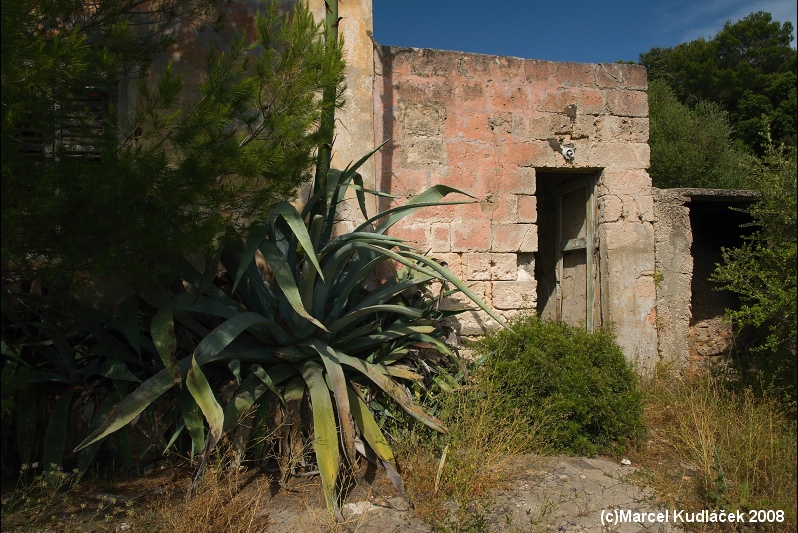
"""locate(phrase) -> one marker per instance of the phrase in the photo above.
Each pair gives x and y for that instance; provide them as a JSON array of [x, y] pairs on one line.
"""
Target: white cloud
[[705, 19]]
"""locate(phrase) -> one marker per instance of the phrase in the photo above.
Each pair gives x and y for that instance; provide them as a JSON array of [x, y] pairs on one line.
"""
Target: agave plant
[[64, 367], [303, 327]]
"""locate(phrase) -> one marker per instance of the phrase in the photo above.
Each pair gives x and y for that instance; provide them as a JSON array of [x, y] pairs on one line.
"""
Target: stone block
[[474, 323], [417, 152], [477, 266], [514, 294], [521, 180], [440, 240], [414, 235], [619, 181], [513, 237], [525, 262], [471, 236], [514, 154], [610, 208], [527, 208], [627, 103], [490, 266], [548, 125], [530, 241], [614, 154], [508, 97], [504, 266], [610, 128], [621, 76], [502, 207], [452, 261]]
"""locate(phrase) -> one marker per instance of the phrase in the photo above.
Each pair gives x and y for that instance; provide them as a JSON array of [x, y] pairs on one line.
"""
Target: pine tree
[[92, 188]]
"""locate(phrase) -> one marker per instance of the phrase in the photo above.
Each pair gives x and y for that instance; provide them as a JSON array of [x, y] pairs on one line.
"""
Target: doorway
[[567, 263]]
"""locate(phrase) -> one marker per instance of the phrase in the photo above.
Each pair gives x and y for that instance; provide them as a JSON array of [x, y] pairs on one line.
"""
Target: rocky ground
[[558, 494]]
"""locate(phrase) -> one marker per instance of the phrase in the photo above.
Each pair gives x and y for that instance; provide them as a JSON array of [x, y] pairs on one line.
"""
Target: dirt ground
[[544, 494], [558, 494]]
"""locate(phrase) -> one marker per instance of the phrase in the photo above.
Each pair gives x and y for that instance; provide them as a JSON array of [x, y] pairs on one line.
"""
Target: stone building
[[555, 155]]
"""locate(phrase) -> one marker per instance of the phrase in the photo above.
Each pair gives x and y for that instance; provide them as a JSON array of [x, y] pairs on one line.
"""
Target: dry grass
[[714, 448], [218, 504], [449, 478]]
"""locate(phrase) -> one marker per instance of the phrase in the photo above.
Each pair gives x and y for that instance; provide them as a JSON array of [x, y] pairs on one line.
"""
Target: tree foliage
[[763, 272], [748, 68], [170, 172], [693, 147]]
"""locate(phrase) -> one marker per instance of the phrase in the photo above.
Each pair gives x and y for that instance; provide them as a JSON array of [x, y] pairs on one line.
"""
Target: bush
[[693, 147], [581, 381], [762, 271]]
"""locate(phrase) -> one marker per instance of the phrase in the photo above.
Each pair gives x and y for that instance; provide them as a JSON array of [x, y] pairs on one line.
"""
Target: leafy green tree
[[693, 147], [763, 272], [126, 191], [748, 68]]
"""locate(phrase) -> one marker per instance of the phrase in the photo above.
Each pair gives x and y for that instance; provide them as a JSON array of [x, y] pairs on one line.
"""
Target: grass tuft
[[712, 447]]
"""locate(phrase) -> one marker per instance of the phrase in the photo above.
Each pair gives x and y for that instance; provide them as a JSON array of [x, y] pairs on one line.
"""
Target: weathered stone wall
[[482, 124], [691, 228], [674, 273]]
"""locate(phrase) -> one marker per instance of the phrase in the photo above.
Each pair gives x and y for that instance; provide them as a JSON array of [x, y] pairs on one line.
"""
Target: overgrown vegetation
[[694, 146], [748, 68], [763, 272], [460, 469], [113, 165], [714, 446], [580, 381]]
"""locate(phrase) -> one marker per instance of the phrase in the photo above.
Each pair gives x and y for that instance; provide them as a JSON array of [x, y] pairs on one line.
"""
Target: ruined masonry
[[571, 238]]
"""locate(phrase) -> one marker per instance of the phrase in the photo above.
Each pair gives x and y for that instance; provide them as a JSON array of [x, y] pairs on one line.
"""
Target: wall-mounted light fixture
[[568, 151]]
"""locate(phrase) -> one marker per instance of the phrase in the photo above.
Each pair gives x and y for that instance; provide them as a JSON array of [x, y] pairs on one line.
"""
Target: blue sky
[[582, 31]]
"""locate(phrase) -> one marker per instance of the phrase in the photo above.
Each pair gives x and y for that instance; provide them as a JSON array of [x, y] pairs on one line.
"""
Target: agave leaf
[[194, 278], [338, 384], [192, 418], [400, 372], [366, 311], [412, 260], [325, 434], [55, 435], [248, 392], [277, 374], [255, 236], [308, 273], [434, 341], [368, 427], [285, 280], [197, 384], [86, 455], [444, 273], [351, 169], [397, 213], [26, 408], [388, 291], [292, 217], [162, 331], [430, 197], [336, 178], [181, 425], [377, 375], [365, 342], [116, 371], [251, 287], [397, 354], [135, 402]]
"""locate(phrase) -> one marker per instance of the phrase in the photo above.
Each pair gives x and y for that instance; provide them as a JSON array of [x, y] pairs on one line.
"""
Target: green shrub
[[581, 381]]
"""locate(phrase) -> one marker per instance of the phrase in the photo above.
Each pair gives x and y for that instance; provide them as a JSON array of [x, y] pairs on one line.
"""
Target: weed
[[714, 447], [449, 477]]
